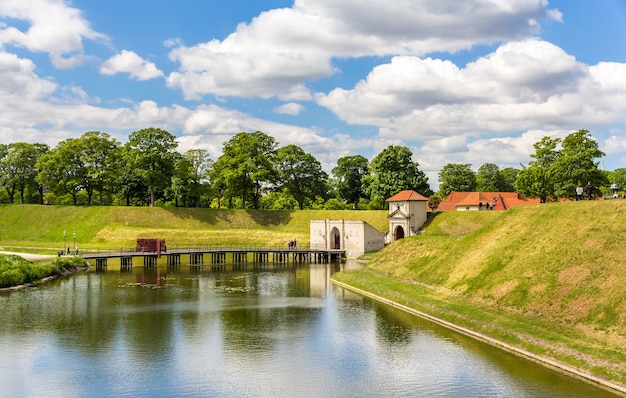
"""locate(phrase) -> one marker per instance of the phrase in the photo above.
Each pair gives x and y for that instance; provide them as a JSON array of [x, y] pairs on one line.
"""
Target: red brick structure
[[150, 245]]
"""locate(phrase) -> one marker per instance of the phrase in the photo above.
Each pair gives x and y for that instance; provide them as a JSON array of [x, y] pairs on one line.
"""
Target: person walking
[[579, 192], [589, 190]]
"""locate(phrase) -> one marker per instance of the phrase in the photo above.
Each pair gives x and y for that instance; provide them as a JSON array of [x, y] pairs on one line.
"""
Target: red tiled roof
[[408, 195], [505, 200]]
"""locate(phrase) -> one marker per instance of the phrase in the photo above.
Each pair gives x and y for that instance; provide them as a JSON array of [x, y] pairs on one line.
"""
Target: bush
[[14, 270], [68, 263]]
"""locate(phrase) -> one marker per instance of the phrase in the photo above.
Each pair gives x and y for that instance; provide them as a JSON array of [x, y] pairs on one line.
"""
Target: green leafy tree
[[537, 180], [509, 175], [18, 166], [180, 186], [152, 153], [61, 169], [456, 177], [300, 173], [278, 200], [246, 166], [618, 176], [489, 179], [100, 156], [132, 188], [392, 171], [4, 150], [576, 164], [433, 202], [199, 166], [349, 175]]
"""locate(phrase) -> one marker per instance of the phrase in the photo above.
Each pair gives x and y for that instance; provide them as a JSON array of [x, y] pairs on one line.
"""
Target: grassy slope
[[548, 278], [112, 227]]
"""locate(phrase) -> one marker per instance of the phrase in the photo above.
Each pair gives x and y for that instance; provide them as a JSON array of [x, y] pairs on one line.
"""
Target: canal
[[217, 332]]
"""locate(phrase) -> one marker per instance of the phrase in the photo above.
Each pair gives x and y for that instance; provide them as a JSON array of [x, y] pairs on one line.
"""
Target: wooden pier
[[198, 257]]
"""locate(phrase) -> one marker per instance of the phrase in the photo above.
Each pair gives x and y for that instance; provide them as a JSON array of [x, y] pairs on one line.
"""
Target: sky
[[477, 81]]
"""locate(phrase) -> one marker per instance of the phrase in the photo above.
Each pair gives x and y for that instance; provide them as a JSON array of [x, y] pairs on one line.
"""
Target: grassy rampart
[[548, 278], [114, 227]]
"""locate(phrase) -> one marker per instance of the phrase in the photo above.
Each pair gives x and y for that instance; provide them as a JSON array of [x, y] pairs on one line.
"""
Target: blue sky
[[477, 81]]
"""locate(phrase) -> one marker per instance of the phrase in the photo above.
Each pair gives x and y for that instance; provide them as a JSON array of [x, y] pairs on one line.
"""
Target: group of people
[[62, 252], [580, 191], [292, 244], [488, 206]]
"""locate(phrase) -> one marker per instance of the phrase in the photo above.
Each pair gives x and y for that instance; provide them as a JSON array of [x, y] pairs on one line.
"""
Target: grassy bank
[[548, 279], [114, 227], [15, 270]]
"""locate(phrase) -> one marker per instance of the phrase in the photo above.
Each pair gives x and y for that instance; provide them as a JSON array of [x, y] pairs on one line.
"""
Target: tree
[[349, 173], [199, 166], [131, 187], [509, 175], [246, 166], [18, 167], [392, 171], [152, 152], [300, 173], [456, 177], [433, 202], [489, 179], [100, 156], [576, 164], [618, 176], [61, 169], [537, 180]]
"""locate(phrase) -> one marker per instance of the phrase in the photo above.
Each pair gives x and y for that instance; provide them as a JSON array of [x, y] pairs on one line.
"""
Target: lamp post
[[74, 234], [64, 239]]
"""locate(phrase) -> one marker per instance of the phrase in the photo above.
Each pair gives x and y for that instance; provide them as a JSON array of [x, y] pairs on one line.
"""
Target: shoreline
[[43, 280], [29, 256], [545, 361]]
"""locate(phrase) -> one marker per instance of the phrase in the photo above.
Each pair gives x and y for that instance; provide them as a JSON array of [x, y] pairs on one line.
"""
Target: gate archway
[[399, 234], [335, 238]]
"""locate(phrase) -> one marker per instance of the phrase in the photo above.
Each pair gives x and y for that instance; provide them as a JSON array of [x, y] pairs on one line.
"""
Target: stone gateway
[[407, 213]]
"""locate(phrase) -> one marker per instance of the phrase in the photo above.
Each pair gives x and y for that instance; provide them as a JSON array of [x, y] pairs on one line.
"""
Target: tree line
[[253, 171]]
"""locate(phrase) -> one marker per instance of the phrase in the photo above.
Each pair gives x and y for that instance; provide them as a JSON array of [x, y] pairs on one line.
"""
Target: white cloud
[[530, 84], [291, 108], [280, 49], [55, 28], [131, 63]]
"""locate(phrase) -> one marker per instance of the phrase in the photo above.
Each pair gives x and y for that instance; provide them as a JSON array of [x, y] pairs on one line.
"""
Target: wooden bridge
[[198, 257]]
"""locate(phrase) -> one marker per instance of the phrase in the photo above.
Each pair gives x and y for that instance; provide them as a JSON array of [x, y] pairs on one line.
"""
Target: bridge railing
[[198, 247]]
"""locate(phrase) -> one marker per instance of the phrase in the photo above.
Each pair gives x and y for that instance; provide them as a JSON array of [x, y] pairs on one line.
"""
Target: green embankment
[[31, 226], [548, 279]]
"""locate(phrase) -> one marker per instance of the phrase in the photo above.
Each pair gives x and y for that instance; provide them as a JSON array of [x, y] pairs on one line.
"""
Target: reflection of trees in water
[[150, 309]]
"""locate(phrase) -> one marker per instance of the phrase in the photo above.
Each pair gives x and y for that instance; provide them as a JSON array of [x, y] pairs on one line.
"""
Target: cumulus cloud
[[280, 49], [54, 28], [131, 63], [523, 85], [291, 108]]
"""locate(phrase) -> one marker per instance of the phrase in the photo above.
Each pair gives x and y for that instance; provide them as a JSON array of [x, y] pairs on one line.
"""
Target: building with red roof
[[463, 201]]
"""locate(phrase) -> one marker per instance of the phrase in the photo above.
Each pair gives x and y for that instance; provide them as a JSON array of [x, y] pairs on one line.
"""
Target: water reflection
[[282, 331]]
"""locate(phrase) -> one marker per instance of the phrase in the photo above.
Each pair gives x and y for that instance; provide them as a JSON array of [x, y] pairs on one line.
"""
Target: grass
[[547, 278], [40, 227]]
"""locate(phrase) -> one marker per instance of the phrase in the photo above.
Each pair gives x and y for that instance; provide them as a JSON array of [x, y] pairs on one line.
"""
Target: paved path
[[30, 256]]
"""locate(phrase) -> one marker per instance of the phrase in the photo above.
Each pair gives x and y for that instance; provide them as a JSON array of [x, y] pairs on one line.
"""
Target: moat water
[[273, 332]]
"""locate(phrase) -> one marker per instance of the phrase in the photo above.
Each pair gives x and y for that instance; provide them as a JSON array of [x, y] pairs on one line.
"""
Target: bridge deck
[[295, 252]]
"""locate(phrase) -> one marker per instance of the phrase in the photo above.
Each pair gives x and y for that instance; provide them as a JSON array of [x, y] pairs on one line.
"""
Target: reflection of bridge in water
[[212, 256]]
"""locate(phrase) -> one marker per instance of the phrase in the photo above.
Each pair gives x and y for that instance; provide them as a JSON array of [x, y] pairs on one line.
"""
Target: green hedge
[[14, 270]]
